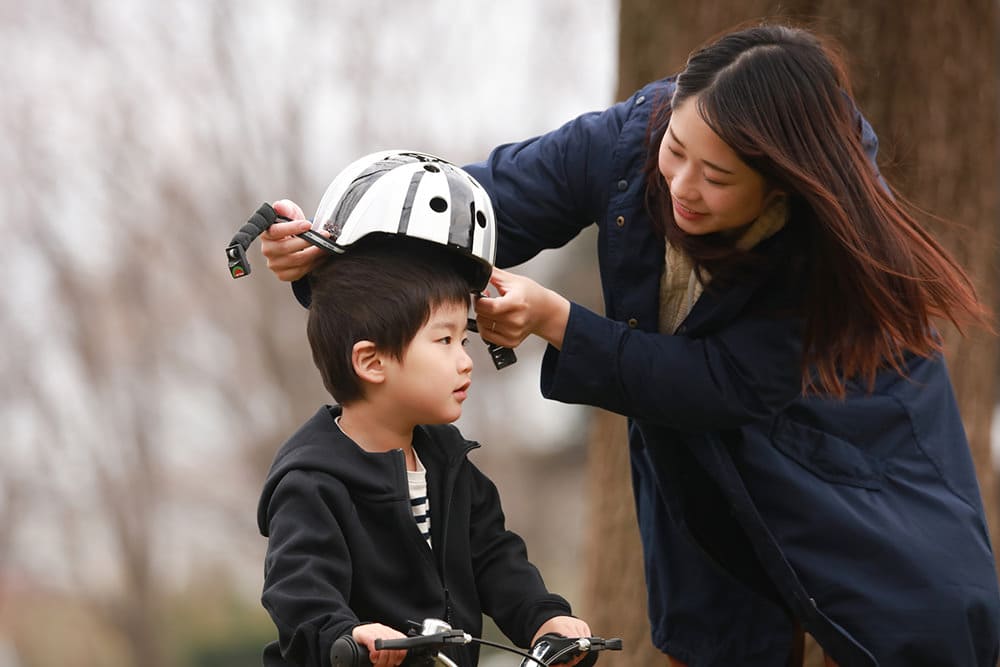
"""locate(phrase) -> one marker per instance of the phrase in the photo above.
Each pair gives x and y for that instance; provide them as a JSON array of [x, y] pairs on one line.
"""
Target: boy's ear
[[367, 362]]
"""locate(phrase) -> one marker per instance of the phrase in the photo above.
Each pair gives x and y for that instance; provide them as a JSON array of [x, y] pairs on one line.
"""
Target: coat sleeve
[[305, 594], [510, 588], [744, 372], [547, 189]]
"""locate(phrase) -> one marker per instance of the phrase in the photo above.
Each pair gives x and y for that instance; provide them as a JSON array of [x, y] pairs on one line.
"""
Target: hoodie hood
[[320, 446]]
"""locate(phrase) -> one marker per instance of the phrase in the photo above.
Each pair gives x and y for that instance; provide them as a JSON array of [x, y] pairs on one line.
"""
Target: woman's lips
[[686, 213]]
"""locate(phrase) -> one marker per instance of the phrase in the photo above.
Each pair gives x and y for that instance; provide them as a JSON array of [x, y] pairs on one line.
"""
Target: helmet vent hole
[[431, 168], [481, 219], [438, 204]]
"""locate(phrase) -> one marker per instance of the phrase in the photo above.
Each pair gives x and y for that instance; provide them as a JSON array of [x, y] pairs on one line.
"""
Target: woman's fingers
[[289, 256], [522, 308], [288, 209]]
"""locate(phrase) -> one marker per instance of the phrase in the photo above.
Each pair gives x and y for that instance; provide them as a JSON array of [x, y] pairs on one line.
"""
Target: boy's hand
[[288, 256], [567, 626], [365, 635]]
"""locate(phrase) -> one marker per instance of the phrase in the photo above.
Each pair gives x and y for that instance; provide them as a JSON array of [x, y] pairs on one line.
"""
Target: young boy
[[374, 515]]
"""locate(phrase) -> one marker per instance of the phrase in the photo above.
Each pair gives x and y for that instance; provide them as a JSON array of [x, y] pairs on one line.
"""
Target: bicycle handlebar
[[436, 640], [550, 648]]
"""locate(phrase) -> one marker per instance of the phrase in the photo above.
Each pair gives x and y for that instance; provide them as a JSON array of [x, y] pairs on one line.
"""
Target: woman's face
[[711, 189]]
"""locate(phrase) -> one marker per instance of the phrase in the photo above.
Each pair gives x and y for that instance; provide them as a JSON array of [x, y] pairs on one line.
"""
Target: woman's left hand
[[522, 307]]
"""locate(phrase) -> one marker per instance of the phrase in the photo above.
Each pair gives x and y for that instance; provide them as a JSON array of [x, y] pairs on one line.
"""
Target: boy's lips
[[463, 391]]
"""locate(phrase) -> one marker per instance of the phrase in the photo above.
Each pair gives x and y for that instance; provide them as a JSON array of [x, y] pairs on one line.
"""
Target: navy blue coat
[[860, 519]]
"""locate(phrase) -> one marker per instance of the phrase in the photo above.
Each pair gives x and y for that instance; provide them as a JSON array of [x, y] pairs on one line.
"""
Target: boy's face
[[431, 382]]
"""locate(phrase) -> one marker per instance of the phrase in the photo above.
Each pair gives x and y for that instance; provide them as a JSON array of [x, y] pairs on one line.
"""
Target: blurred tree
[[145, 392], [927, 79], [146, 416], [215, 625]]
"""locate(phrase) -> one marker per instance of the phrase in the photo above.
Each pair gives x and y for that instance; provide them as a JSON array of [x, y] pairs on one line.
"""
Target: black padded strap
[[255, 226], [236, 253]]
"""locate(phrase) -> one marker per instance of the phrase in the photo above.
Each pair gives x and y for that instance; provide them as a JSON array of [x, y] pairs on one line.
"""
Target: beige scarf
[[679, 285]]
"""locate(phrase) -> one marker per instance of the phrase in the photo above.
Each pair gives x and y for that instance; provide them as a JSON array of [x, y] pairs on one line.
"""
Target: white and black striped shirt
[[419, 503]]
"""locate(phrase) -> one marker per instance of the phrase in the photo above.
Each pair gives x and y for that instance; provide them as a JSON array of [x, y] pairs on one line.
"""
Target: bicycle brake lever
[[424, 641]]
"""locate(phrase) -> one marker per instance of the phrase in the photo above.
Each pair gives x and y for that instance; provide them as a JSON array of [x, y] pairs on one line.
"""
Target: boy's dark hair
[[382, 290]]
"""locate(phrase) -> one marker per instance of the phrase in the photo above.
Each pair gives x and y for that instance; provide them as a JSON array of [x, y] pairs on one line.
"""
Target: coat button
[[640, 99], [622, 185], [632, 323], [620, 221]]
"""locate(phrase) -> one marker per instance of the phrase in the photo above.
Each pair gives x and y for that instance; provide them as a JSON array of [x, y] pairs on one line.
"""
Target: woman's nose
[[682, 185]]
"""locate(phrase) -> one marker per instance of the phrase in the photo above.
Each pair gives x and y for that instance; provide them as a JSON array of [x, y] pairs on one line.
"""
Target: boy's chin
[[444, 417]]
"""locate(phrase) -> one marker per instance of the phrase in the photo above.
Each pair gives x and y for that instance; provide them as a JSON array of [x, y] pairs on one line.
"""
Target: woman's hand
[[366, 634], [522, 307], [288, 256]]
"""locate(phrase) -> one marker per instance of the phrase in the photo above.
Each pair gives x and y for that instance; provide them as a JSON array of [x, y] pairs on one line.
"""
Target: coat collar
[[717, 307]]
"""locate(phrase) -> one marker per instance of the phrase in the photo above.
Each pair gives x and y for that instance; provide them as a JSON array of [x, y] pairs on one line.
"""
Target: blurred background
[[144, 392]]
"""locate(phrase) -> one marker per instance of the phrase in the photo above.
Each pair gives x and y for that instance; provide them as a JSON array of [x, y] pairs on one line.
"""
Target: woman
[[797, 453]]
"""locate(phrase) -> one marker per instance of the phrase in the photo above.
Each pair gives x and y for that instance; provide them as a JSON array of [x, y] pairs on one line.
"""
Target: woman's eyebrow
[[680, 143], [670, 131]]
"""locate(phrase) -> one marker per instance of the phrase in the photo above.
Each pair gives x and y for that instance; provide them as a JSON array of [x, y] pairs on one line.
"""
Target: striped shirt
[[419, 503]]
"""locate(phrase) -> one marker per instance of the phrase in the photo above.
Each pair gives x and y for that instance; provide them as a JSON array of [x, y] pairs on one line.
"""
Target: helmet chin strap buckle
[[501, 356], [238, 264]]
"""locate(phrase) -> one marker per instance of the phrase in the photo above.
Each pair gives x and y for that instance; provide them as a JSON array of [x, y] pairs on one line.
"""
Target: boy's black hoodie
[[344, 549]]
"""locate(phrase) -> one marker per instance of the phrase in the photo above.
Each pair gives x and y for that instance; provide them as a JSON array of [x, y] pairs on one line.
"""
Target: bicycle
[[424, 648]]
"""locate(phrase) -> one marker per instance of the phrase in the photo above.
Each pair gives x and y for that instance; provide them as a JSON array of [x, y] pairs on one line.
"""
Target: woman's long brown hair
[[874, 278]]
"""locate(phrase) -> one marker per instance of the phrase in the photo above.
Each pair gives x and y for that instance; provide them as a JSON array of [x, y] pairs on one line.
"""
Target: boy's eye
[[446, 340], [465, 341]]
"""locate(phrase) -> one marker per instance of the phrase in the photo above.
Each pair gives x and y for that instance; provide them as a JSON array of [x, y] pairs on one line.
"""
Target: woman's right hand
[[288, 256], [522, 307], [365, 635]]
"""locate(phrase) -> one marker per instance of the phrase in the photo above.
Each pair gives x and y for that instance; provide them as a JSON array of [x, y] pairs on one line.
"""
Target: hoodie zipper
[[436, 559], [447, 486]]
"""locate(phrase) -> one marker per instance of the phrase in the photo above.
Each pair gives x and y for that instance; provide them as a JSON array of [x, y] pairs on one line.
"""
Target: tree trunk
[[929, 86], [614, 585], [927, 80]]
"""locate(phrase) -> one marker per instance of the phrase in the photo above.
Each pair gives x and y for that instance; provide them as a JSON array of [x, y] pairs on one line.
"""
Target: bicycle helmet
[[415, 195], [397, 193]]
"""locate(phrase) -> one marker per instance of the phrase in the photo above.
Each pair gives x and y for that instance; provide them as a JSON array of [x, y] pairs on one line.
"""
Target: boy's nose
[[465, 362]]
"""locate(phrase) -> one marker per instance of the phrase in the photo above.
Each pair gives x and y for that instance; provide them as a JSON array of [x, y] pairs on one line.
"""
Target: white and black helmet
[[396, 193], [412, 194]]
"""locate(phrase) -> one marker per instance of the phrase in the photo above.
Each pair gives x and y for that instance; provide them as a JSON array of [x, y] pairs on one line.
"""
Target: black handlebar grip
[[346, 652], [555, 649]]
